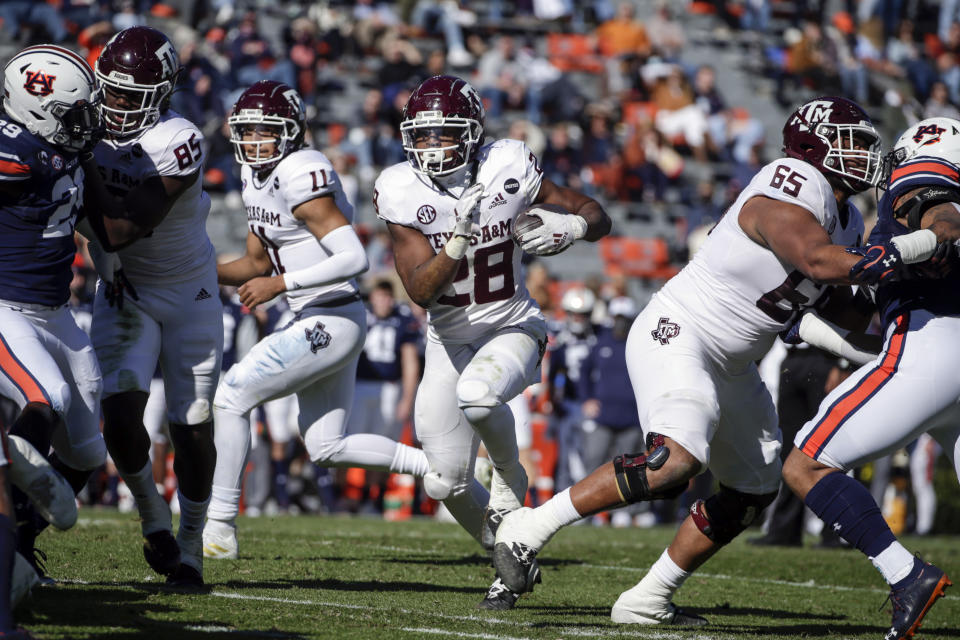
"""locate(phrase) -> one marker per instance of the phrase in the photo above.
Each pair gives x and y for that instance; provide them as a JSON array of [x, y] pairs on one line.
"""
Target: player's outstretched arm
[[598, 222], [425, 275], [797, 237]]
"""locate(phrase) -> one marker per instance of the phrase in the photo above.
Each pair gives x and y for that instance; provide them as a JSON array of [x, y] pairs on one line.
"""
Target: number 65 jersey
[[742, 292], [301, 176], [178, 249], [488, 291]]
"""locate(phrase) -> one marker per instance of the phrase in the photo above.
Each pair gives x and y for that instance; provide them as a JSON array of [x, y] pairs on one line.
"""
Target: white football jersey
[[742, 294], [178, 248], [489, 291], [301, 176]]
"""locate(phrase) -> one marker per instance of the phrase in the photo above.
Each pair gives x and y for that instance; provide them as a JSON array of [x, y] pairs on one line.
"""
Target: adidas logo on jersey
[[202, 295], [499, 200]]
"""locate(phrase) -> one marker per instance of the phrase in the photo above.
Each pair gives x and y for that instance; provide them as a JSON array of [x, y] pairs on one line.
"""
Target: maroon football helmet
[[140, 64], [442, 108], [837, 137], [272, 108]]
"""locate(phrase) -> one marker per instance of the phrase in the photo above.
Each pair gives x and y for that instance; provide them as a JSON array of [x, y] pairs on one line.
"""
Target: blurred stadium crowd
[[614, 98]]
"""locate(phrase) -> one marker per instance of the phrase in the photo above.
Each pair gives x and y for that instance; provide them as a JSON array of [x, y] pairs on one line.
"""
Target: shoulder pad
[[914, 208]]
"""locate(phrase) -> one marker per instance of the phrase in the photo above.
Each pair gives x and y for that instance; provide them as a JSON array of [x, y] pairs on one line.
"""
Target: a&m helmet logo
[[813, 113], [39, 83], [928, 134], [665, 330]]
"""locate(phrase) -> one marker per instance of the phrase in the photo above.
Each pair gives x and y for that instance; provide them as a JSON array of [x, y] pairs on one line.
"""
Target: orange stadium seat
[[573, 52], [637, 257]]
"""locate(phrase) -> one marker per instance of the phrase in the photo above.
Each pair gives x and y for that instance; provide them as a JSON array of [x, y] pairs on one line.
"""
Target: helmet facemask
[[285, 133], [79, 124], [147, 101], [451, 142], [853, 153]]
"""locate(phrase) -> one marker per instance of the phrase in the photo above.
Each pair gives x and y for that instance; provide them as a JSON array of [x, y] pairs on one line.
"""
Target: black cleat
[[38, 560], [912, 601], [517, 566], [499, 597], [186, 578], [488, 529], [162, 552]]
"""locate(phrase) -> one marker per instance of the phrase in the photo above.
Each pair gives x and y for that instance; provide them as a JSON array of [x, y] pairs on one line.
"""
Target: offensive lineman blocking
[[300, 230]]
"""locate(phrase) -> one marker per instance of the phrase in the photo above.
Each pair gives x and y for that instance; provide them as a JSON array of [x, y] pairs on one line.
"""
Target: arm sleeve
[[347, 260]]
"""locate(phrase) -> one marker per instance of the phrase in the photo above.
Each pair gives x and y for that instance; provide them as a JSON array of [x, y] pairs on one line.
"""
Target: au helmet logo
[[930, 131], [39, 83]]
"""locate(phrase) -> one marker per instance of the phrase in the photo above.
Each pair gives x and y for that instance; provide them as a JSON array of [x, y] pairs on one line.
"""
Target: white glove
[[468, 206], [559, 231]]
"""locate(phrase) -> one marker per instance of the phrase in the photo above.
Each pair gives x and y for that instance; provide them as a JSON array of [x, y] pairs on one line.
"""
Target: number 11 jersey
[[300, 177], [488, 292], [741, 293]]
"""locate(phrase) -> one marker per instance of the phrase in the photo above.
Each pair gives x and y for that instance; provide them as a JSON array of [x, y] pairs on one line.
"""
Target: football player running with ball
[[691, 356], [147, 172], [912, 387], [300, 231], [450, 210]]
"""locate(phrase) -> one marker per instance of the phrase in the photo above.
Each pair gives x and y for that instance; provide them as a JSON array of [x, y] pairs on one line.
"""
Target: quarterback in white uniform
[[300, 230], [691, 356], [151, 164], [450, 211]]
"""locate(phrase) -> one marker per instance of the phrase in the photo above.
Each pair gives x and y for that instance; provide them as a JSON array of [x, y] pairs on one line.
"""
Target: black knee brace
[[631, 472], [722, 516]]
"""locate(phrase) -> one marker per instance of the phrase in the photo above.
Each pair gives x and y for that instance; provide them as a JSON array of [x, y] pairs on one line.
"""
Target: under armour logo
[[889, 261], [665, 330], [39, 83], [317, 337]]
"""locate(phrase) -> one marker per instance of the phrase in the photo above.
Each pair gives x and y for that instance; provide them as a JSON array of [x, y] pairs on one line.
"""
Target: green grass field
[[333, 577]]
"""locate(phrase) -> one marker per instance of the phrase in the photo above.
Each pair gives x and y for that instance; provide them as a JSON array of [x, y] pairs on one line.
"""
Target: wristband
[[457, 246], [917, 246]]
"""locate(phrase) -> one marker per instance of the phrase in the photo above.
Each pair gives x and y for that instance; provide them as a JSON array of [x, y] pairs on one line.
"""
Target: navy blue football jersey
[[36, 224], [380, 358], [937, 295]]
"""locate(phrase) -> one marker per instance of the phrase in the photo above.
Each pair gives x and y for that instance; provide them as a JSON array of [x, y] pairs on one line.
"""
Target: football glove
[[465, 213], [880, 263], [558, 231]]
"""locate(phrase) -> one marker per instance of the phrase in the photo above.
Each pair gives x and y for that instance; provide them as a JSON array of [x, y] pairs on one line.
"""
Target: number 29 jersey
[[741, 292], [178, 249], [301, 176], [36, 224], [488, 291]]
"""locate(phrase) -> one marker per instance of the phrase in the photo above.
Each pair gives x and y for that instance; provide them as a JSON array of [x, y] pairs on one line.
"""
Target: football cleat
[[220, 540], [23, 580], [161, 552], [673, 615], [186, 578], [51, 495], [519, 538], [912, 601], [492, 518], [499, 597]]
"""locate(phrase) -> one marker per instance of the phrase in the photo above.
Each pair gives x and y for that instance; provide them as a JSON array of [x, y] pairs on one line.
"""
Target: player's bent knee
[[85, 457], [437, 486], [631, 471], [476, 399], [725, 514], [323, 453]]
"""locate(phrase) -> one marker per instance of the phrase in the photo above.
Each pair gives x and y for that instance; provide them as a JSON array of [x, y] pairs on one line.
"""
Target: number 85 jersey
[[742, 292], [489, 291]]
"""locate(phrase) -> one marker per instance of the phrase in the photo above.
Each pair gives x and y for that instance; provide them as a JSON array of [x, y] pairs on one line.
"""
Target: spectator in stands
[[561, 159], [501, 79], [201, 87], [623, 35], [372, 20], [666, 34], [677, 115], [402, 66], [938, 105], [756, 16], [251, 58], [446, 18], [598, 143], [30, 21]]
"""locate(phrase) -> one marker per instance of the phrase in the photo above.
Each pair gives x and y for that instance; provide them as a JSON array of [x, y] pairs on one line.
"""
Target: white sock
[[894, 562], [190, 533], [224, 504], [668, 572], [409, 460], [508, 487], [560, 510], [154, 512]]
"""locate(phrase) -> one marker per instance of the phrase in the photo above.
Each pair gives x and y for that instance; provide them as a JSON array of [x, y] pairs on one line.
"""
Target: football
[[527, 221]]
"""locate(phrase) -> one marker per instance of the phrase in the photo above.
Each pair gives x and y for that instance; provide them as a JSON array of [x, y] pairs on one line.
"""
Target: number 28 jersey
[[301, 176], [488, 291], [742, 293], [178, 249]]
